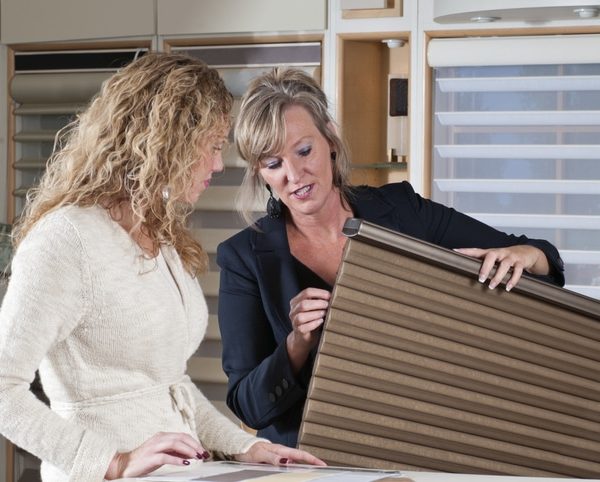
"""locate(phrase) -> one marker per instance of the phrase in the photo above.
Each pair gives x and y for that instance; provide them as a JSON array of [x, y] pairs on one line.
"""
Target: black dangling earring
[[333, 155], [273, 206]]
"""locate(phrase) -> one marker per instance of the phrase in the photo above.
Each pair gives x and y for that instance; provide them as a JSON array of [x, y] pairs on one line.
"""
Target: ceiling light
[[393, 43], [588, 12], [484, 19]]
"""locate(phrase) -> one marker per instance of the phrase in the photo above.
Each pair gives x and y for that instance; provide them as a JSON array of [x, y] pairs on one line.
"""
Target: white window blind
[[517, 146]]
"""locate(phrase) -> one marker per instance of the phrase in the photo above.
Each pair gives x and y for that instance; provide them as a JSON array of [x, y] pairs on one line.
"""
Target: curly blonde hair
[[141, 134], [260, 129]]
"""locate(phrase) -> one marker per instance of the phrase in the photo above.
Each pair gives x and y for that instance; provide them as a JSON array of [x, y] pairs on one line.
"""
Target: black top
[[259, 277]]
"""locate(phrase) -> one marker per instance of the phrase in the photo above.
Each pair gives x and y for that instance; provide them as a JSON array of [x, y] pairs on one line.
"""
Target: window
[[516, 141]]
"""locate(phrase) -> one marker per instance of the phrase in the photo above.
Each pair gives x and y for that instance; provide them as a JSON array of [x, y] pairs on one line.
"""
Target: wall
[[3, 134]]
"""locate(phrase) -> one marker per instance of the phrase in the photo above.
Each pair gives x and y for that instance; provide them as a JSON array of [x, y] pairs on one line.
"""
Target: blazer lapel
[[277, 271]]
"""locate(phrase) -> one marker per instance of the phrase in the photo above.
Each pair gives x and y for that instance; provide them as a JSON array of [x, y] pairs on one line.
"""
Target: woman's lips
[[303, 192]]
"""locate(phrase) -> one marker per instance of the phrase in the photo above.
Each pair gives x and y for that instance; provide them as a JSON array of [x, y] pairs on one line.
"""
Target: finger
[[308, 317], [308, 305], [311, 326], [301, 457], [178, 442], [486, 266], [514, 279], [180, 449], [473, 252], [502, 270], [162, 458], [312, 293]]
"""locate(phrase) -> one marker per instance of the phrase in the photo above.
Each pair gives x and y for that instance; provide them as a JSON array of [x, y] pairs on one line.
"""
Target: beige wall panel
[[230, 16], [59, 20]]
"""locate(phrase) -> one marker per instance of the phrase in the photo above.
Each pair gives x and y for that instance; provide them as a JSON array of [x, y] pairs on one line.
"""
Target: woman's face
[[209, 160], [301, 174]]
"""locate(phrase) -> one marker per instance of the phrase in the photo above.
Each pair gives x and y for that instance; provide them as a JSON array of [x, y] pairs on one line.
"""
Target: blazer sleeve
[[451, 229], [261, 386], [47, 297]]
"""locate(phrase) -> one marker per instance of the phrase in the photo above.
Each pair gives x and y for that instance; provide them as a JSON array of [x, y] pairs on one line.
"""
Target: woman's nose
[[293, 172]]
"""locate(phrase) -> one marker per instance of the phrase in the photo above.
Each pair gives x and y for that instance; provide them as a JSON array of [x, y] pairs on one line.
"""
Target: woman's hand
[[275, 454], [307, 314], [161, 449], [517, 258]]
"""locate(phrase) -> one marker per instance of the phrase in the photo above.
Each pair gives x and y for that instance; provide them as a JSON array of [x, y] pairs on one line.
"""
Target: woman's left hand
[[275, 454], [518, 258]]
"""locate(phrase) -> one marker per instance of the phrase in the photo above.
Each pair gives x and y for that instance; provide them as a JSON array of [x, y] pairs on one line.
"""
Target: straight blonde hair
[[260, 129]]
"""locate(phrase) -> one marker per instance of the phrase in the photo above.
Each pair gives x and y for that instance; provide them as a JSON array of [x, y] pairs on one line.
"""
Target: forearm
[[266, 393]]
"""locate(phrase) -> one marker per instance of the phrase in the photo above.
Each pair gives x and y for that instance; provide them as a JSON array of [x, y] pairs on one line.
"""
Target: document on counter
[[245, 472]]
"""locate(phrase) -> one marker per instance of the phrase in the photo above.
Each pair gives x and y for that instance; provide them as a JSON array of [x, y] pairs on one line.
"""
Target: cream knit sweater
[[111, 334]]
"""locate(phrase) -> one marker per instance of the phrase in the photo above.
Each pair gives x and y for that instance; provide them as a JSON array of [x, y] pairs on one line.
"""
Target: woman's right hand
[[160, 449], [307, 314]]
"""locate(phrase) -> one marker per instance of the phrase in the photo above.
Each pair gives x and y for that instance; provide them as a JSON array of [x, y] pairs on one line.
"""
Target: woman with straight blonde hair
[[277, 275], [103, 296]]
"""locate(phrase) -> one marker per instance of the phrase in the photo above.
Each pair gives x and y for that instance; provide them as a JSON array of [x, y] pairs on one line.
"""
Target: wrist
[[115, 468], [297, 352]]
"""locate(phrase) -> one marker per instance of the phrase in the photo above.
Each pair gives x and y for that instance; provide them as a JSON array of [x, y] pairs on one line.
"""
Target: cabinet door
[[232, 16], [63, 20]]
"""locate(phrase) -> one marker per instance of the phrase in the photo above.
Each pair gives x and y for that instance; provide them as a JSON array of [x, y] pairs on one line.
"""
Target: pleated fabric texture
[[421, 367]]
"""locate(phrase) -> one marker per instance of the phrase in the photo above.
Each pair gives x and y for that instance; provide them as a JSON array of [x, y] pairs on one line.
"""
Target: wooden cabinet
[[372, 67]]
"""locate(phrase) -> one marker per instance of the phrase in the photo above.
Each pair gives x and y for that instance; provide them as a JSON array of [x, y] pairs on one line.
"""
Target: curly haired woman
[[104, 297]]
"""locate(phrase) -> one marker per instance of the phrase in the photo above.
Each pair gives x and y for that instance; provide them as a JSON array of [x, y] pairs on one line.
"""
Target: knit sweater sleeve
[[47, 297]]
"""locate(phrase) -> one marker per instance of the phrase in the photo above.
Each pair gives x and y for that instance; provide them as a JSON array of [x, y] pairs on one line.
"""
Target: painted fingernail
[[492, 286], [205, 455], [283, 461], [199, 456], [186, 462], [481, 279], [508, 287]]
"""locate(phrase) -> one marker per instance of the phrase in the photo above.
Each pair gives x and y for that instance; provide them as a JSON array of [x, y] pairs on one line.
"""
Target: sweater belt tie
[[183, 401]]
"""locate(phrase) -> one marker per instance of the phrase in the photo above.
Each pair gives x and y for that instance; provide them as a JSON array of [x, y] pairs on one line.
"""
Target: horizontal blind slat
[[547, 186], [520, 118], [513, 220], [520, 151], [519, 84]]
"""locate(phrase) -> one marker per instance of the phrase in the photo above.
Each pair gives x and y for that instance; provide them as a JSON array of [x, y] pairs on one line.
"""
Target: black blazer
[[258, 280]]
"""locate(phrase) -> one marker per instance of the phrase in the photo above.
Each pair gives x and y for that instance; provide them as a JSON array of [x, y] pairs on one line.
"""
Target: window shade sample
[[421, 367]]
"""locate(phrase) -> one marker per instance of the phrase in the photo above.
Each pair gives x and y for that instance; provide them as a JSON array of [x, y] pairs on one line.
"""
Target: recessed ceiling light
[[484, 19], [393, 43], [588, 12]]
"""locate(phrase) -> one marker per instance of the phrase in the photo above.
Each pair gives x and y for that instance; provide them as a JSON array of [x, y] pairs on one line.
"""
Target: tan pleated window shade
[[421, 367], [215, 218], [47, 89]]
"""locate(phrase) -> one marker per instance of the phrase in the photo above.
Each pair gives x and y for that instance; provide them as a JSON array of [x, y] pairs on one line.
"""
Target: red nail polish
[[186, 462], [205, 455], [283, 461], [199, 456]]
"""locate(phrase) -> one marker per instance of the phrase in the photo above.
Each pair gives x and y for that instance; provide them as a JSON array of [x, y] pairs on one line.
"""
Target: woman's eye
[[305, 151], [273, 164]]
